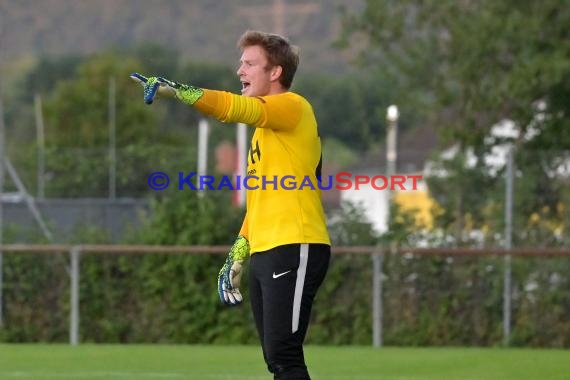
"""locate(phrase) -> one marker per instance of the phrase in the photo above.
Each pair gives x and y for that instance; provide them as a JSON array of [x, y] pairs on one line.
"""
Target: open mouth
[[244, 86]]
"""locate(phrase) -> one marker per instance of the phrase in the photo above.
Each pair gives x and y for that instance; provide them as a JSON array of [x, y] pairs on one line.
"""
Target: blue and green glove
[[230, 275], [159, 86]]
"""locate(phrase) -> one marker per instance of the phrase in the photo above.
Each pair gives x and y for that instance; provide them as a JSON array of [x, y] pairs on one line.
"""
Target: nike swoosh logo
[[280, 274]]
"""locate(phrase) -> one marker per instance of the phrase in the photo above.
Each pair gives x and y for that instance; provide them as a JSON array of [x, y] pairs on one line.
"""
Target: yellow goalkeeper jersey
[[283, 200]]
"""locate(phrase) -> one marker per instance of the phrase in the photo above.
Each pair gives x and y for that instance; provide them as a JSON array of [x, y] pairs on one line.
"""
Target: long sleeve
[[279, 112]]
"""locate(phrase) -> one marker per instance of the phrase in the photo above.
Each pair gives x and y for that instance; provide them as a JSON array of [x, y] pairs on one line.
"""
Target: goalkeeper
[[284, 231]]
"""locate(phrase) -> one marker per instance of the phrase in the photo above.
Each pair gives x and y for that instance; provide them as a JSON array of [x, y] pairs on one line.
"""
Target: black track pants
[[283, 284]]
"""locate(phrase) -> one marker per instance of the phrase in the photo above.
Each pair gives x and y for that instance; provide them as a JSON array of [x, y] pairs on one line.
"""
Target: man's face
[[254, 72]]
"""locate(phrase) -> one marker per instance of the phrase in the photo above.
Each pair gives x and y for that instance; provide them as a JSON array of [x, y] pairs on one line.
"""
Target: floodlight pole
[[112, 139], [203, 134], [392, 116], [508, 245], [40, 129]]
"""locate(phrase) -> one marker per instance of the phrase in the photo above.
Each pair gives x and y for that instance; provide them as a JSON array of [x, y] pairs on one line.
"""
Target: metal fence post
[[74, 301], [377, 306]]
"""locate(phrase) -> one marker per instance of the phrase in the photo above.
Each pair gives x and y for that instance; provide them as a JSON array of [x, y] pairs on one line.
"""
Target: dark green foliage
[[348, 109], [146, 298], [34, 296], [169, 298], [470, 65]]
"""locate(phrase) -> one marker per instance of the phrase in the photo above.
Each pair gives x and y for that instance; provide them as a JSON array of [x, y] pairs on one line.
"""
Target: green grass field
[[162, 362]]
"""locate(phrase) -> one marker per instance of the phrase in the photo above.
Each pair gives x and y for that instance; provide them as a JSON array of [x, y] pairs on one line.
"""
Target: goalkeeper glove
[[154, 86], [230, 274]]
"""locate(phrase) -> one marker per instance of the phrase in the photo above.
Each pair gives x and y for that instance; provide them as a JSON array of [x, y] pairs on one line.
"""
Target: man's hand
[[160, 86], [230, 275]]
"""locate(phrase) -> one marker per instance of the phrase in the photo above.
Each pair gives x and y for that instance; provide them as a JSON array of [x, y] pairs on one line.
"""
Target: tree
[[346, 108], [469, 65], [472, 63], [148, 139]]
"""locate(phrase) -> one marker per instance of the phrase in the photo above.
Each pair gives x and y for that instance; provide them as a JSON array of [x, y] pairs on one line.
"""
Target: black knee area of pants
[[285, 358], [289, 373]]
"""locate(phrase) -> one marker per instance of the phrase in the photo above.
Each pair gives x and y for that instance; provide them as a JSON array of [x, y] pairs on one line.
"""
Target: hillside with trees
[[201, 30]]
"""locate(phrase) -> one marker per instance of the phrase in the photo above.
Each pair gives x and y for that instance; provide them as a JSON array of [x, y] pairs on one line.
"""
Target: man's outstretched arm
[[260, 112]]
